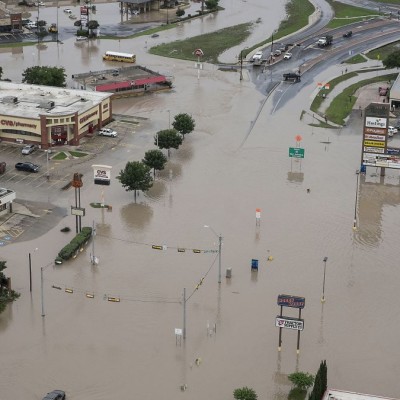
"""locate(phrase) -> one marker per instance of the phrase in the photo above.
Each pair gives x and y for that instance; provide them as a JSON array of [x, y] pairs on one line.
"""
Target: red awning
[[149, 80], [113, 86]]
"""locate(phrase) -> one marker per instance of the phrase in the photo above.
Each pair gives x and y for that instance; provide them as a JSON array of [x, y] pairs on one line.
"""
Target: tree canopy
[[302, 380], [183, 123], [6, 296], [392, 60], [211, 4], [168, 139], [244, 393], [135, 176], [48, 76], [155, 159]]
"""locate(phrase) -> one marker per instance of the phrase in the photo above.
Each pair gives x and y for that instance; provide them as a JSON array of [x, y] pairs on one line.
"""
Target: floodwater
[[96, 349]]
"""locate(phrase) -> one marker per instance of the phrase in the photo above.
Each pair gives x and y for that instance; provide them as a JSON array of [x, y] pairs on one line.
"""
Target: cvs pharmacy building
[[49, 116]]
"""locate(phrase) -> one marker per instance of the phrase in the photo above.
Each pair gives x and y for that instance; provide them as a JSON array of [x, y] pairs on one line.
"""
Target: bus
[[116, 56]]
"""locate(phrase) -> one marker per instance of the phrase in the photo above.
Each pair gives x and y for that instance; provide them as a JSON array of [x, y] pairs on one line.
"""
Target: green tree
[[183, 123], [320, 382], [48, 76], [93, 24], [135, 176], [1, 72], [244, 393], [211, 4], [302, 380], [392, 60], [6, 296], [168, 139], [180, 12], [155, 159]]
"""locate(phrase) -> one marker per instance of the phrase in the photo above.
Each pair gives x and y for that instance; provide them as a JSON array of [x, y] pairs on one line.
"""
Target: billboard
[[286, 300], [289, 323]]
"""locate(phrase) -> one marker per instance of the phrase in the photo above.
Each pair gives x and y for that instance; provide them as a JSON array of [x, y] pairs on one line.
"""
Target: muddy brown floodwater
[[95, 349]]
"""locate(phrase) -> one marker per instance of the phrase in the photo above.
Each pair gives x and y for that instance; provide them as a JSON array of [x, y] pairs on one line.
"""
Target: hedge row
[[75, 244]]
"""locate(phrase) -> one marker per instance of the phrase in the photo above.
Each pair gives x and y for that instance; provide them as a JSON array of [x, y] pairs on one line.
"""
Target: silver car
[[28, 149]]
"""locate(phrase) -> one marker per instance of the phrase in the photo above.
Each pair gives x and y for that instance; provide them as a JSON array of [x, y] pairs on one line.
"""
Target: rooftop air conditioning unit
[[47, 104]]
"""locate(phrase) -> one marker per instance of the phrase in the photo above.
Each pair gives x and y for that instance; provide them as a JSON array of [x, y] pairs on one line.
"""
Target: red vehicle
[[383, 91]]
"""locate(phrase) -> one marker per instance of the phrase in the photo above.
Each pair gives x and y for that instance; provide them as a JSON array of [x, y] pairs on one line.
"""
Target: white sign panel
[[289, 323], [374, 122], [178, 332], [102, 172]]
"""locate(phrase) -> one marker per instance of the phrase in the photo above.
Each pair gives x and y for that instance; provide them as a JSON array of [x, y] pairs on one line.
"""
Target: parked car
[[154, 35], [31, 25], [55, 395], [67, 10], [3, 191], [277, 53], [27, 166], [347, 34], [28, 149], [107, 132], [257, 57], [287, 56], [392, 130], [81, 38]]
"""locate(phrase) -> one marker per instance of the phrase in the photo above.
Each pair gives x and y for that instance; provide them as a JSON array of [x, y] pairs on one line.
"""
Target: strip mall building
[[49, 116]]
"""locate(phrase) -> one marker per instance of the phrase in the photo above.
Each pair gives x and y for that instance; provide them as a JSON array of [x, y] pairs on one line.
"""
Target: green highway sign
[[296, 152]]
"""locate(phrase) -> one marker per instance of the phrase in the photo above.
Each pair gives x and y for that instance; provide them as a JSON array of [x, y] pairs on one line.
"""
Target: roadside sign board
[[296, 152], [78, 211], [289, 323], [287, 300]]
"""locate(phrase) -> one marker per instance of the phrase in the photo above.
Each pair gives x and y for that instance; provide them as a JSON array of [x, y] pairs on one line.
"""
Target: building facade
[[49, 116]]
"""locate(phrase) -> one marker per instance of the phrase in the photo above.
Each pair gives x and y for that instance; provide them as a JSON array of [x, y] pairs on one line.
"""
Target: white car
[[287, 56], [79, 38], [28, 149], [107, 132], [67, 10], [392, 130], [257, 56]]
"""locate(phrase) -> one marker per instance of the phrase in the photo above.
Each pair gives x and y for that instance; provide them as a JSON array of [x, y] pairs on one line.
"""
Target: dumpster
[[2, 167]]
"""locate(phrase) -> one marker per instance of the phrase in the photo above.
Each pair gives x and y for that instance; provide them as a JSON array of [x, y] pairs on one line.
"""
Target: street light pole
[[30, 273], [356, 202], [241, 65], [219, 251], [323, 284], [169, 119]]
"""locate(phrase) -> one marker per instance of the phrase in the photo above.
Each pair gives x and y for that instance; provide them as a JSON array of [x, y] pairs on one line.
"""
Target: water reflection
[[136, 215]]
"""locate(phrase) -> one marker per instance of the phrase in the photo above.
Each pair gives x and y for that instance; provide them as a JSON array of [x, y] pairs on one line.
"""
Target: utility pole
[[30, 273], [184, 313], [323, 284], [241, 65], [42, 289]]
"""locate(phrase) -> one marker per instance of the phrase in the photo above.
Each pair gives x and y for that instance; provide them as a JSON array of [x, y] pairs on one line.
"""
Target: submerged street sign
[[286, 300], [296, 152], [289, 323]]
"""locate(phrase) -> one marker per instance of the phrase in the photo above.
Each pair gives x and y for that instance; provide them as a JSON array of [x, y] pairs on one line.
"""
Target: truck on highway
[[292, 76], [325, 41]]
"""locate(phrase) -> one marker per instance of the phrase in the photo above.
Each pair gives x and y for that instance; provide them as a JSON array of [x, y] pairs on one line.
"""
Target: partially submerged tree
[[6, 295], [135, 176], [93, 24], [302, 380], [168, 139], [244, 393], [184, 124], [155, 159], [48, 76], [211, 5]]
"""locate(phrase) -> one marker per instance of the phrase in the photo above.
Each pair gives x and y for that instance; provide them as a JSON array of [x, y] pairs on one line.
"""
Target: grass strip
[[382, 52], [342, 105], [357, 59], [345, 14], [59, 156], [212, 44], [77, 154]]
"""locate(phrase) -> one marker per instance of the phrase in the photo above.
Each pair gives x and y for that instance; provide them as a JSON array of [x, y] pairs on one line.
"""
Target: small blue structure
[[254, 264]]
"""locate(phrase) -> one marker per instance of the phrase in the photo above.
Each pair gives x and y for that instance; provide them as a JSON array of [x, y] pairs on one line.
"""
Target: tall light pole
[[169, 119], [356, 202], [219, 250], [323, 283], [30, 270], [241, 65]]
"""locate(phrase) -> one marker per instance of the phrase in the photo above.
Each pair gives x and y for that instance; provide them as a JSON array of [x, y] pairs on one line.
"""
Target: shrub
[[75, 244]]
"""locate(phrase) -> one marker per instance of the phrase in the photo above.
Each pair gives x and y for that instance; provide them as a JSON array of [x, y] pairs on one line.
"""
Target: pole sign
[[102, 174], [375, 151], [289, 323], [296, 152], [286, 300]]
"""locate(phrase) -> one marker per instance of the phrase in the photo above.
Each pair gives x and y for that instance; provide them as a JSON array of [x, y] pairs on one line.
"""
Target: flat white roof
[[31, 98], [333, 394]]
